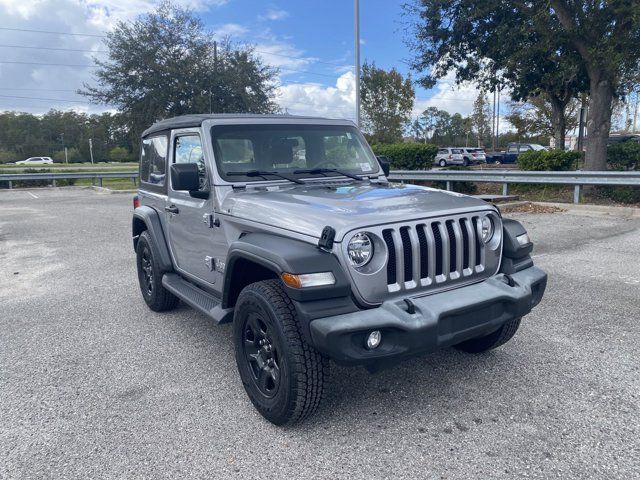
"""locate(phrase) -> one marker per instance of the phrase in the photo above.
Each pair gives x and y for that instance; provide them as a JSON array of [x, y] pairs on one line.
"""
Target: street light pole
[[356, 26]]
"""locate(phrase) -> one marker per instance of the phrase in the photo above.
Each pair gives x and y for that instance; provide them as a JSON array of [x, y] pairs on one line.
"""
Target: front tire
[[158, 298], [493, 340], [283, 376]]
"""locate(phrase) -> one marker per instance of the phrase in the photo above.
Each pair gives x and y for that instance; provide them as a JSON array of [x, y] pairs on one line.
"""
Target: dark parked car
[[512, 152]]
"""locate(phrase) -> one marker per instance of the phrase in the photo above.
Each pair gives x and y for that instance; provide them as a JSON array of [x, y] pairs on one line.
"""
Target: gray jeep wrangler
[[287, 227]]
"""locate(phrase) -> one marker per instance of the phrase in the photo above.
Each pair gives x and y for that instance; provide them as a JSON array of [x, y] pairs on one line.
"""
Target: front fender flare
[[282, 254]]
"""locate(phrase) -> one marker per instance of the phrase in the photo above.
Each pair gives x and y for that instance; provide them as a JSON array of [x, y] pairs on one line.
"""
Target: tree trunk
[[558, 121], [599, 122]]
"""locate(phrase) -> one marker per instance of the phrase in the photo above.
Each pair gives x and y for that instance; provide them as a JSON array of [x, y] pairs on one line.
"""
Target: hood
[[307, 209]]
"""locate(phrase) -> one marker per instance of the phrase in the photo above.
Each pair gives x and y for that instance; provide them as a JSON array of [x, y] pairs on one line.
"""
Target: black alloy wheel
[[261, 355]]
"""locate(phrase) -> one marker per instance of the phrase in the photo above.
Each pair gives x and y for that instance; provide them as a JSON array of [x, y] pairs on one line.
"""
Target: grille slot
[[407, 253], [438, 244], [452, 246], [478, 240], [465, 243], [387, 236], [433, 252], [424, 252]]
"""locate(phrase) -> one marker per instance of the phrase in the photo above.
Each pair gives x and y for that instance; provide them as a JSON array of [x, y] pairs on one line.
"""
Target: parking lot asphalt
[[95, 385]]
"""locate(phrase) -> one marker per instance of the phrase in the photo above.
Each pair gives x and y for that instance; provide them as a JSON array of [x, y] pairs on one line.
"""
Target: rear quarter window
[[153, 160]]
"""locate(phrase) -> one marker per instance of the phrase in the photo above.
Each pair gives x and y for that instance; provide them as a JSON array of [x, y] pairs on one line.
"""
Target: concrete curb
[[590, 209], [109, 191], [577, 209]]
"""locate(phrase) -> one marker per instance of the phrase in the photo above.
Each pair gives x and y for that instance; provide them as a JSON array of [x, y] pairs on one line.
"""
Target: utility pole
[[493, 124], [91, 149], [356, 27], [215, 72], [498, 121], [635, 114], [64, 148]]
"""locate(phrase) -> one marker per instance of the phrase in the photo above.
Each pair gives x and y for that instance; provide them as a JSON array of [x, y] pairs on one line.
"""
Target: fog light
[[374, 339]]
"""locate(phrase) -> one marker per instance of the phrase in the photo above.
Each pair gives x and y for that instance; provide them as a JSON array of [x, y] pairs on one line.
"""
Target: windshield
[[289, 149]]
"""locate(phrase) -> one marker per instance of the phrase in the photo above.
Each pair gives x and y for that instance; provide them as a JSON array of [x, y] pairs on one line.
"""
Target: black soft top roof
[[195, 120]]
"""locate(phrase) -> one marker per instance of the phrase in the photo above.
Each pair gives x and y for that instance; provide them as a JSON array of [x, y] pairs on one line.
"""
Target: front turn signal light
[[305, 280]]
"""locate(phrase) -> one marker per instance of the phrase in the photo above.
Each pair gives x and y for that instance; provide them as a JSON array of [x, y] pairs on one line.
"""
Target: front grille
[[433, 252]]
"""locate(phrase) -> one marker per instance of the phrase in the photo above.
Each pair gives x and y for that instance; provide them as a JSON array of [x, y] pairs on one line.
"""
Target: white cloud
[[274, 14], [314, 99], [450, 97], [283, 55], [459, 99], [229, 30]]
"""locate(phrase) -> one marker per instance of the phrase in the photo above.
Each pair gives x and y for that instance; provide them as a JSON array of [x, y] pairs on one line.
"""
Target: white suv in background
[[449, 156], [473, 155], [36, 161]]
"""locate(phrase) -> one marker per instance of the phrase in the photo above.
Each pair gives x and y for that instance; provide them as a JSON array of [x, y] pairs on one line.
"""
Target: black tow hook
[[508, 279], [411, 308]]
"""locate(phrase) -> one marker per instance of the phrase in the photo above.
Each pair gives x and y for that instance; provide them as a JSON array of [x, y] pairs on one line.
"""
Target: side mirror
[[184, 176], [385, 164]]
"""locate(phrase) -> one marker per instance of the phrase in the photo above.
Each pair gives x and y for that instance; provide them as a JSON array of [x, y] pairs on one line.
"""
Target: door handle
[[172, 209]]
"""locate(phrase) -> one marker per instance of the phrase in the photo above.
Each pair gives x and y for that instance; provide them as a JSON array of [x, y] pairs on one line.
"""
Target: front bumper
[[437, 321]]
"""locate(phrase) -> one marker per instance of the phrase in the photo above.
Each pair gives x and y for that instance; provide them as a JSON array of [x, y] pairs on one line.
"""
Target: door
[[189, 227]]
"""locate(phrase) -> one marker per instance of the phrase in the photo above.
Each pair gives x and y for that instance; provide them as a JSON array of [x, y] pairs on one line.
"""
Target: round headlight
[[360, 249], [486, 225]]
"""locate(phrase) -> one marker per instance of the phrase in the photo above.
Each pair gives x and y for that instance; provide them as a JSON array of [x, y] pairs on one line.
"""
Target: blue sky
[[310, 41]]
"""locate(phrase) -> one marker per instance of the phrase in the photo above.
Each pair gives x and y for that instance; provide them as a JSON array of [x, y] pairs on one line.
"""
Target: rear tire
[[465, 162], [157, 298], [493, 340], [443, 163], [283, 376]]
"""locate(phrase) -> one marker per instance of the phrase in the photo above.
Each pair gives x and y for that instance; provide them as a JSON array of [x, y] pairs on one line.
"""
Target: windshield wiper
[[314, 171], [262, 173]]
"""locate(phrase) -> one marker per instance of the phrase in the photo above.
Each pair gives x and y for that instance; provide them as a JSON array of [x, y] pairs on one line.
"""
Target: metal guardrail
[[505, 177], [94, 176]]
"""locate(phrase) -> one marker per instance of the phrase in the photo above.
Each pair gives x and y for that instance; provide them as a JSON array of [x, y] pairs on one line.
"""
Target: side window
[[153, 160], [512, 148], [525, 148], [442, 152], [188, 149]]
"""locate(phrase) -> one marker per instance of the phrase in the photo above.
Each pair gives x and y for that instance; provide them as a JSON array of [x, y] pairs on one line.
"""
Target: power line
[[40, 89], [53, 48], [52, 33], [46, 99], [13, 62], [48, 64]]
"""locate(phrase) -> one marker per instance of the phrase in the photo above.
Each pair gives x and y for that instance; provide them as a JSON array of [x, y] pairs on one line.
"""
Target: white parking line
[[34, 196]]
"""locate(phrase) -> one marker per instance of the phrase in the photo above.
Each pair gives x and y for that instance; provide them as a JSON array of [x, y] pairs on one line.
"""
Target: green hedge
[[407, 156], [542, 160], [624, 156]]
